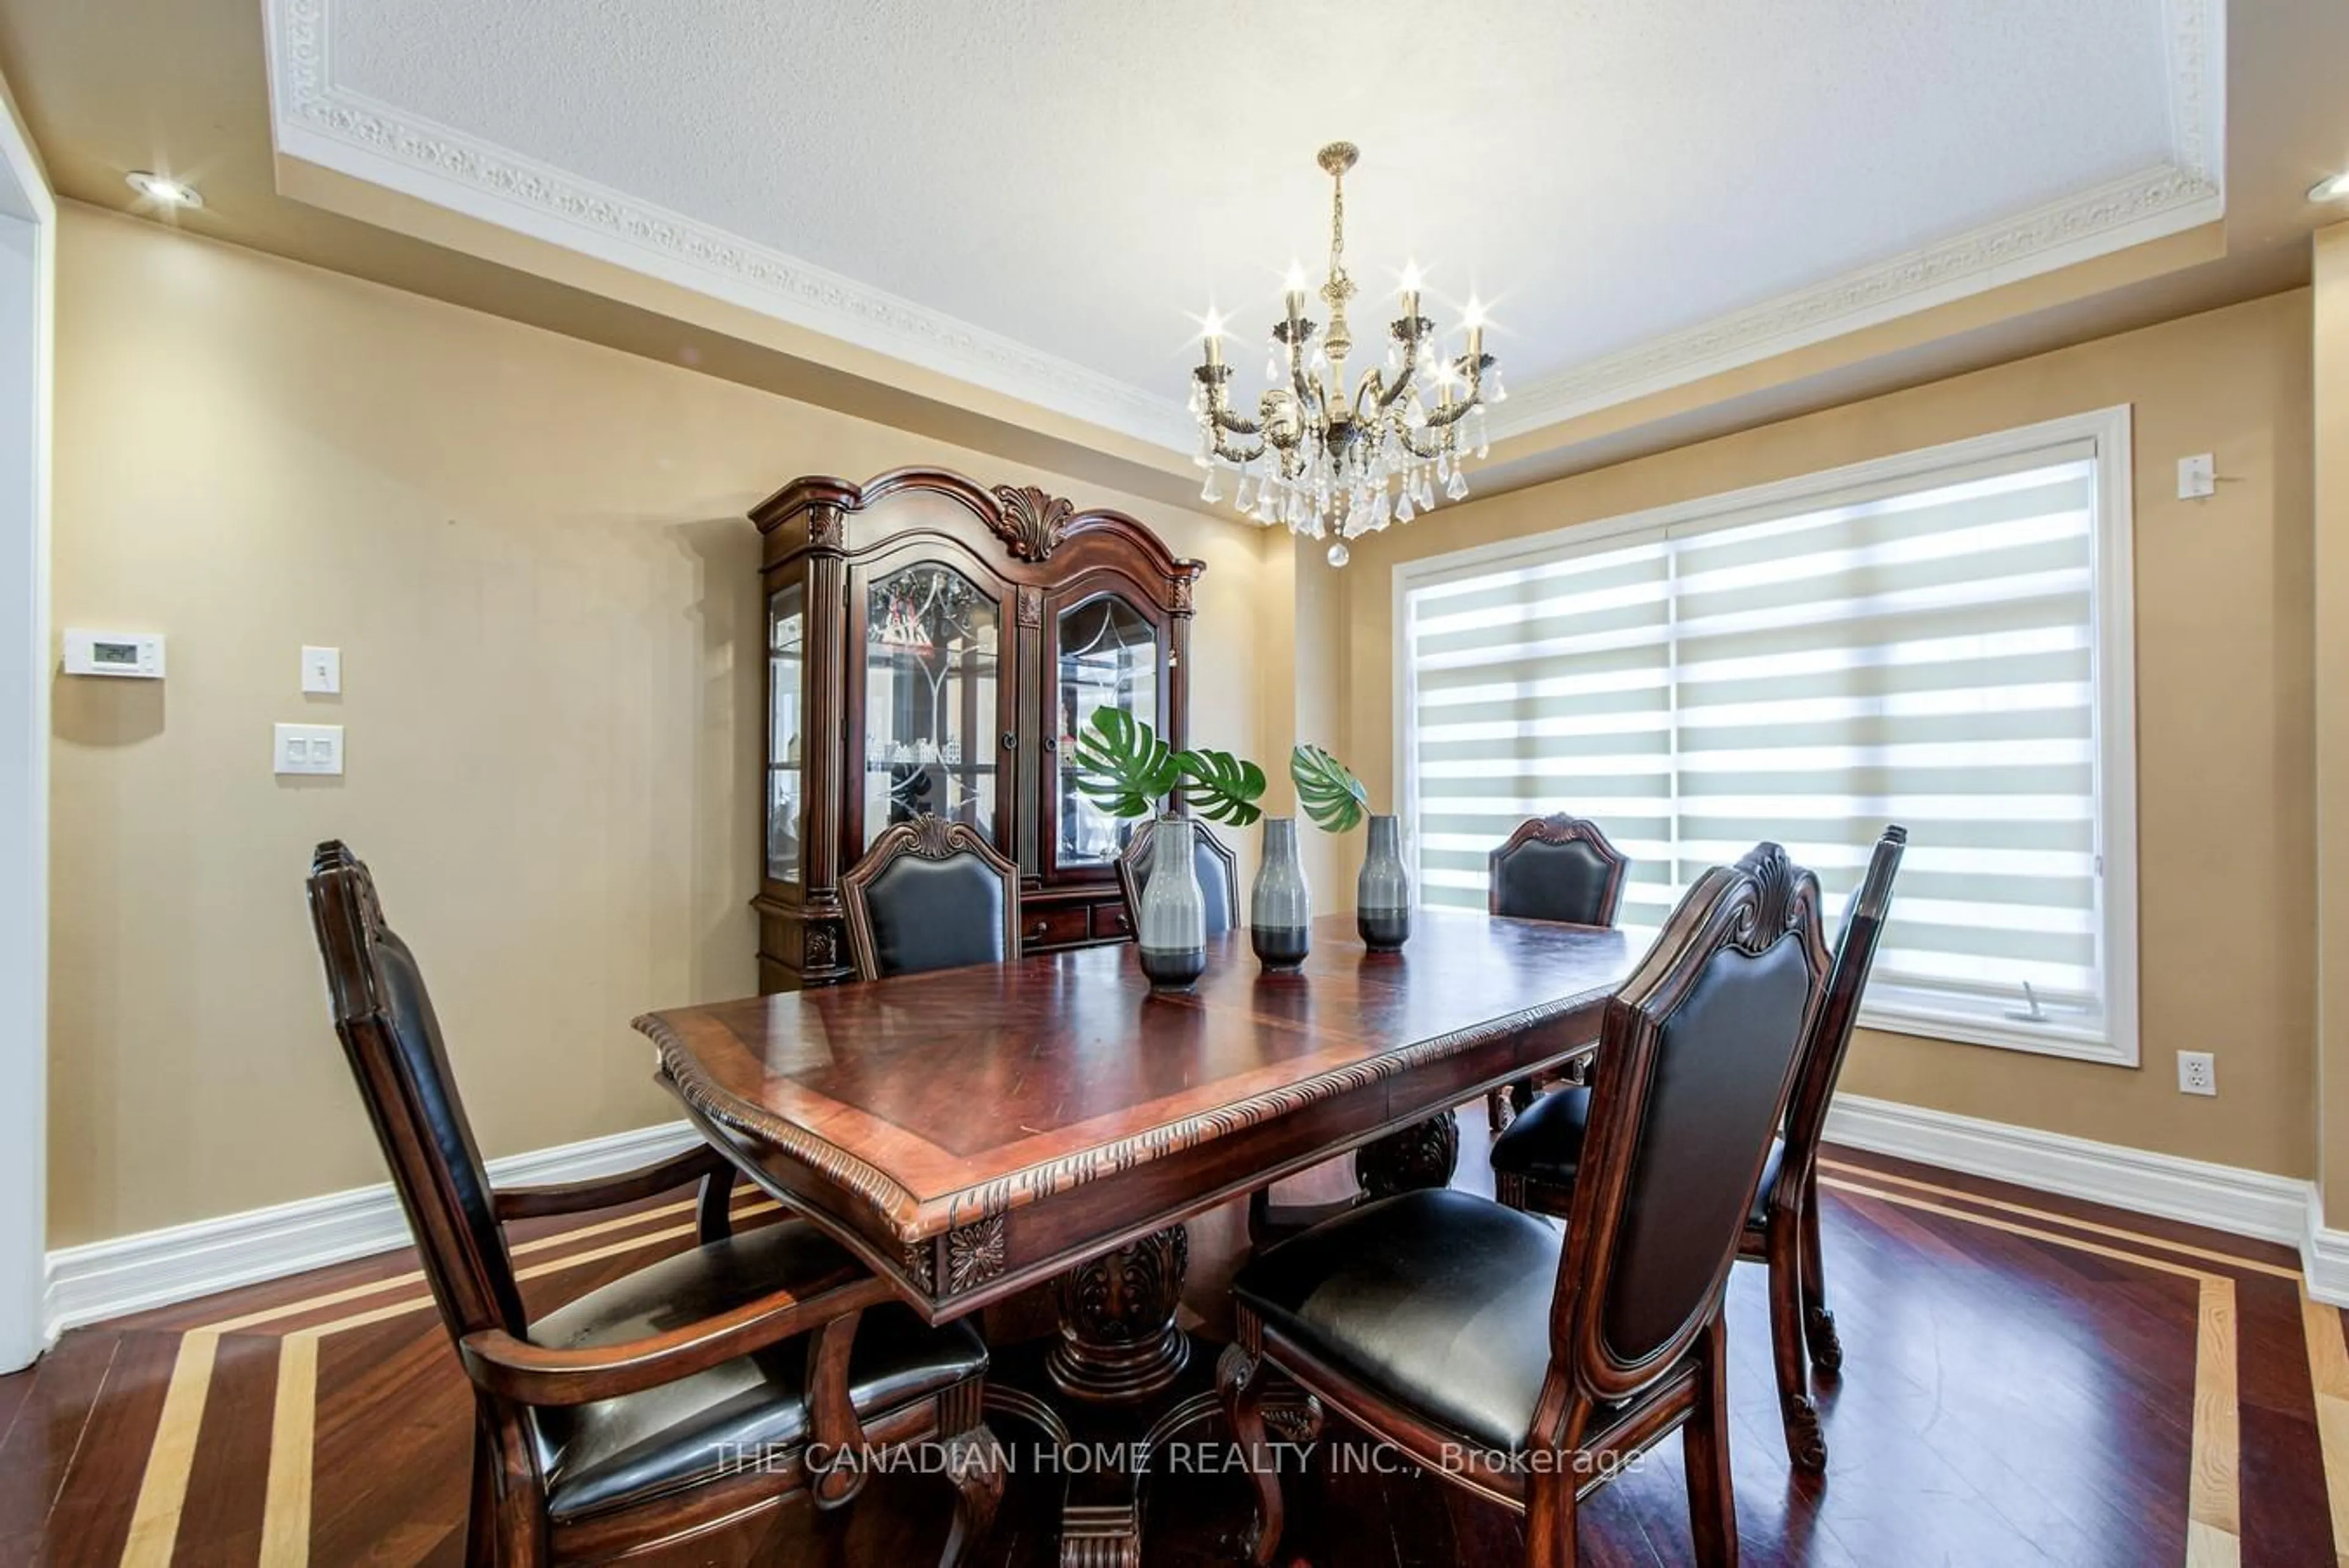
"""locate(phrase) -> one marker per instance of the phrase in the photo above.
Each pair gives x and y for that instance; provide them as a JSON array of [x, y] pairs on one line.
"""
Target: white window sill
[[2077, 1041]]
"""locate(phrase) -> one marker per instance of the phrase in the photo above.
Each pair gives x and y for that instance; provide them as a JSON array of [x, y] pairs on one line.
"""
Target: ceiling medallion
[[1335, 467]]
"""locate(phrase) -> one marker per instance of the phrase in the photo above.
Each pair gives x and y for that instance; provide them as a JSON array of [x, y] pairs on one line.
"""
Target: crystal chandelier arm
[[1238, 455], [1424, 449]]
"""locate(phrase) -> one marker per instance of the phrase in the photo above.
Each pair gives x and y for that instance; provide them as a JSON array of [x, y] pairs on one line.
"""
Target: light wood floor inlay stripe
[[163, 1489], [2214, 1496], [2005, 1206], [293, 1439], [2328, 1375]]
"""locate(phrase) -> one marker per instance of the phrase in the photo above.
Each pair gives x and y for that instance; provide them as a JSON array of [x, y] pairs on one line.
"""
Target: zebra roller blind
[[1921, 648]]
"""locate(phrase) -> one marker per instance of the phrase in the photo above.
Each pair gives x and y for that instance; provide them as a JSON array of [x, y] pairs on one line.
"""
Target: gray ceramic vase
[[1171, 927], [1280, 906], [1383, 895]]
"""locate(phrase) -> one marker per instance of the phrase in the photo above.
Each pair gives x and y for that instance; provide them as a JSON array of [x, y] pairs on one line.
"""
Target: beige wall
[[2330, 343], [532, 555], [2224, 651]]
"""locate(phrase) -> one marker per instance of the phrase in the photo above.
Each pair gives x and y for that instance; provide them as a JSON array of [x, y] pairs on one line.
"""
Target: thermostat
[[133, 654]]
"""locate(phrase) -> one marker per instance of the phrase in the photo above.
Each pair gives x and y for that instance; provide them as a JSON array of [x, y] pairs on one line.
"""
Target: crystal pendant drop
[[1339, 555], [1211, 492], [1457, 489], [1243, 497], [1206, 454], [1404, 511], [1272, 364], [1494, 391]]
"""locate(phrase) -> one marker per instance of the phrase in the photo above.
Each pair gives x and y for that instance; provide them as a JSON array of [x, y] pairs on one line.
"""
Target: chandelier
[[1335, 467]]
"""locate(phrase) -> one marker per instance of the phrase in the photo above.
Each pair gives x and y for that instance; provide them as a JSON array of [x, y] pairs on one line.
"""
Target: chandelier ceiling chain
[[1330, 466]]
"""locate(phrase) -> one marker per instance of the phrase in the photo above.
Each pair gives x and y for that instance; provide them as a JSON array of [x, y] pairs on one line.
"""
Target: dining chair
[[1525, 1364], [1535, 1164], [695, 1392], [930, 894], [1218, 868], [1556, 867]]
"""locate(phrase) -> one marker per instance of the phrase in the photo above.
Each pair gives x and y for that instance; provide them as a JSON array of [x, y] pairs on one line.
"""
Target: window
[[1941, 640]]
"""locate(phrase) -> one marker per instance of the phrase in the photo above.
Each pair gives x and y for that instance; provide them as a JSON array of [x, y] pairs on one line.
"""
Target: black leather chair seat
[[622, 1451], [1544, 1144], [1439, 1299]]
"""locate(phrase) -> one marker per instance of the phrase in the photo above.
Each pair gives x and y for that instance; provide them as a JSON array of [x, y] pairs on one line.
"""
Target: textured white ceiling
[[1077, 176]]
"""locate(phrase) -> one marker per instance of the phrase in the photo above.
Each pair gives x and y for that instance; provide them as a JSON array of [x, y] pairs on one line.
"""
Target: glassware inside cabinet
[[931, 650], [1109, 658], [786, 737]]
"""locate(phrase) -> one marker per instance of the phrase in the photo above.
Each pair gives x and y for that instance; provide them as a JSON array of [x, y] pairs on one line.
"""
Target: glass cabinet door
[[1108, 657], [786, 727], [932, 687]]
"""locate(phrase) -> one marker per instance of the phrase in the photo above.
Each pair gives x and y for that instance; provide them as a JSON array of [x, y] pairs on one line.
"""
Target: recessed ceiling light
[[2333, 190], [161, 189]]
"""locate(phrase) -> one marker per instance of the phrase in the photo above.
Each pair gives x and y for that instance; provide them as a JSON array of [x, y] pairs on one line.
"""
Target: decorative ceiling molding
[[355, 135], [2185, 192], [359, 136]]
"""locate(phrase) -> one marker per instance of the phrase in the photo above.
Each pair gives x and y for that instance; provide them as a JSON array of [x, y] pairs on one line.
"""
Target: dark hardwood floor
[[2027, 1379]]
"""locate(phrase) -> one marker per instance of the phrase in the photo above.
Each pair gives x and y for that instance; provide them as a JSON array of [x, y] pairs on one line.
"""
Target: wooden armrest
[[530, 1374], [605, 1191]]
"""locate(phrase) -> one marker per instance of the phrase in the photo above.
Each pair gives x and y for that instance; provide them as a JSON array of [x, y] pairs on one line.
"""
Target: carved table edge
[[915, 1220], [896, 1203]]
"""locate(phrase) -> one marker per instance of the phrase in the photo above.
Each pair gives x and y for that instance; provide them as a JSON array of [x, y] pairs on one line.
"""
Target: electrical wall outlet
[[309, 748], [2197, 1073]]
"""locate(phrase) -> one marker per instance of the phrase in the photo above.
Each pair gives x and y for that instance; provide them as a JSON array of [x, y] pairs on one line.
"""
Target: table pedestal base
[[1108, 1396]]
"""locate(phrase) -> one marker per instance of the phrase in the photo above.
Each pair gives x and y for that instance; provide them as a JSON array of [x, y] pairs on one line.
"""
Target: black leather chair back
[[1217, 865], [930, 894], [1557, 867], [384, 1017], [1695, 1059], [1830, 1036]]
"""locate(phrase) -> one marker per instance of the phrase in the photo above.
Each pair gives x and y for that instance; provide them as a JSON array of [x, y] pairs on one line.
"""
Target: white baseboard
[[136, 1273], [157, 1268], [2223, 1197], [2324, 1257]]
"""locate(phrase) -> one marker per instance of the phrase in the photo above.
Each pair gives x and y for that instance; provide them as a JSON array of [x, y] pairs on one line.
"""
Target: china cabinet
[[934, 647]]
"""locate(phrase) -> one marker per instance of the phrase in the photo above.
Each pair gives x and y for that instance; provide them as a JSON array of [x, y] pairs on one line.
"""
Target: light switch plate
[[322, 670], [2198, 477], [309, 748]]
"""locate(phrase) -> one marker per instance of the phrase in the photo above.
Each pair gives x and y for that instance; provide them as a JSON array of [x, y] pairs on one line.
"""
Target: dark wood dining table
[[971, 1133]]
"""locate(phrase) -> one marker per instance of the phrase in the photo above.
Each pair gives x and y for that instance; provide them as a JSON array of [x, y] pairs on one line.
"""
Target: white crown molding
[[157, 1268], [2145, 206], [2183, 193], [357, 136]]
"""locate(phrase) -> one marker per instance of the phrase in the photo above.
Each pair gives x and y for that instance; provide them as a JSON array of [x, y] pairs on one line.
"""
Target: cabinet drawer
[[1111, 923], [1052, 928]]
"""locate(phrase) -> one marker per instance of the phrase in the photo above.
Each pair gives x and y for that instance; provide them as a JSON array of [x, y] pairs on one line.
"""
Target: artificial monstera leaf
[[1122, 766], [1223, 787], [1327, 790]]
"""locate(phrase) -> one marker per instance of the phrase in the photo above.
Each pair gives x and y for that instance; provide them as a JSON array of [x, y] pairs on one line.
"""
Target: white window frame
[[2113, 616]]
